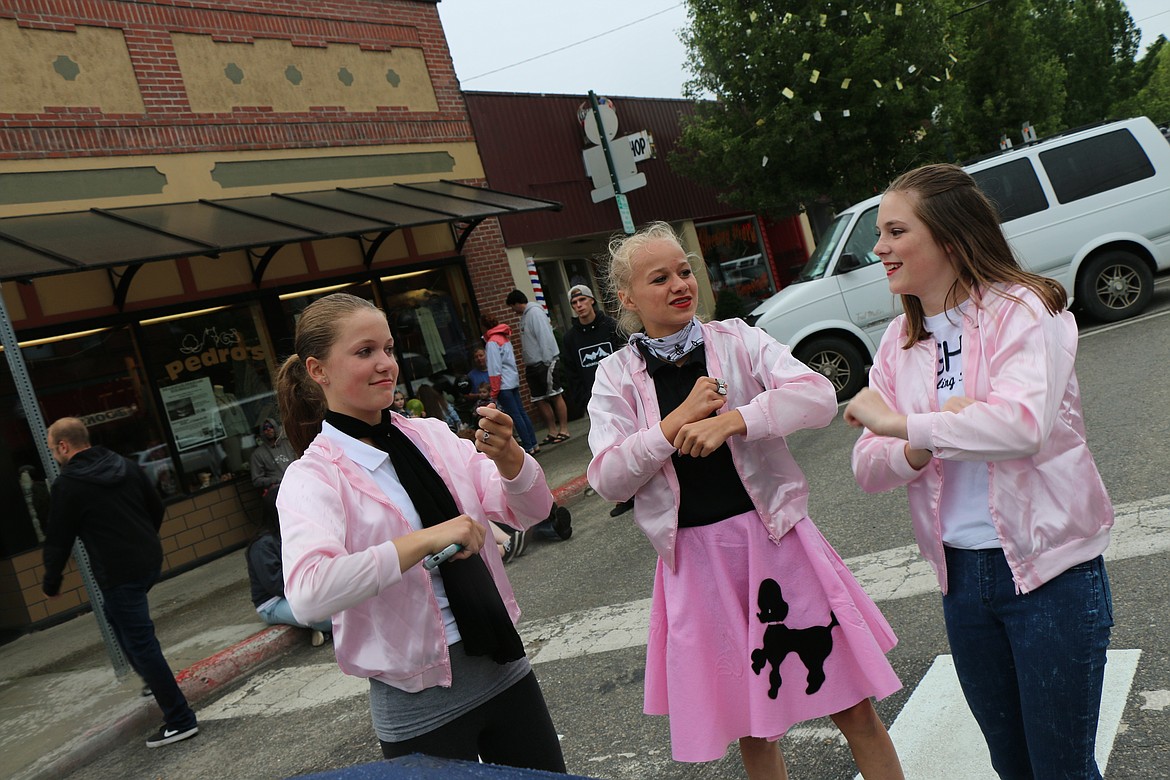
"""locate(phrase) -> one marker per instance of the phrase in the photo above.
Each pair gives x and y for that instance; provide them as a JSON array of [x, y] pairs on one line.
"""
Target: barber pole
[[534, 279]]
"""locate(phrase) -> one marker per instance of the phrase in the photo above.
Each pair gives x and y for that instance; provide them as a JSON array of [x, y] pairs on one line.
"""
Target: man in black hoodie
[[107, 502], [593, 336]]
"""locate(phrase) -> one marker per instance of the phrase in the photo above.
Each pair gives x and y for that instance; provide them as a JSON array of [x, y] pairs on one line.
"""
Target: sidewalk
[[61, 705]]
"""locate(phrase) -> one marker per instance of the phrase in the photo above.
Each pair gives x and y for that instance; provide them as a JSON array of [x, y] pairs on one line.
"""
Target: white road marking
[[288, 689], [1141, 528], [935, 731]]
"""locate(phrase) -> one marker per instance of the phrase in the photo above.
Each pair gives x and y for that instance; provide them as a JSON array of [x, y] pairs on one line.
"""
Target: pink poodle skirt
[[749, 637]]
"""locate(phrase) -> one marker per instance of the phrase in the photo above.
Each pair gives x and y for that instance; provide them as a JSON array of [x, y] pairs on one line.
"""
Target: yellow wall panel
[[80, 291], [230, 269], [89, 66], [12, 301], [222, 76], [289, 261], [338, 254], [155, 280], [432, 239]]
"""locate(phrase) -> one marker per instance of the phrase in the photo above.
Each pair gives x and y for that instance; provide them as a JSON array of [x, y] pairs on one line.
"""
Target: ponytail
[[302, 404]]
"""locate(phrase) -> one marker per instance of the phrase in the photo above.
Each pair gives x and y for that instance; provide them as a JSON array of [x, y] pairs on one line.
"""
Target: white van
[[1089, 208]]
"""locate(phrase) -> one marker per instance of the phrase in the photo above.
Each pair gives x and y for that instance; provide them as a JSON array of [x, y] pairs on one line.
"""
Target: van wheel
[[838, 360], [1115, 285]]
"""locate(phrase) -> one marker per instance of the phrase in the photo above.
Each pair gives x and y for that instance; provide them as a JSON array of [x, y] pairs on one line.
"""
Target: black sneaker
[[167, 735], [562, 522], [622, 508]]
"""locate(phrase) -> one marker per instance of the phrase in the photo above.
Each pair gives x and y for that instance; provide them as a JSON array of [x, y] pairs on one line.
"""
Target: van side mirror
[[848, 262]]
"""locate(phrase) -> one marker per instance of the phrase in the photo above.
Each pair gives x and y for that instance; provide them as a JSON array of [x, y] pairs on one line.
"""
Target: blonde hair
[[302, 403], [621, 267]]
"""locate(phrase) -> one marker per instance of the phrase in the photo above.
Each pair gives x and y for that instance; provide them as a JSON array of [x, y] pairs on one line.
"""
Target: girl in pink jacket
[[974, 406], [372, 495], [755, 624]]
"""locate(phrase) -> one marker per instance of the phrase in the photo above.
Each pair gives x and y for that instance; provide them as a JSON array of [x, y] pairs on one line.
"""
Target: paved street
[[585, 604]]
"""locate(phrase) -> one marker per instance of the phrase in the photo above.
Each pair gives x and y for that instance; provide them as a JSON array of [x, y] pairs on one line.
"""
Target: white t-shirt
[[964, 513]]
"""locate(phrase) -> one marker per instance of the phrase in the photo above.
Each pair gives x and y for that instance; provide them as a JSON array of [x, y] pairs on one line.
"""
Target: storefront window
[[433, 326], [95, 376], [212, 371], [739, 269]]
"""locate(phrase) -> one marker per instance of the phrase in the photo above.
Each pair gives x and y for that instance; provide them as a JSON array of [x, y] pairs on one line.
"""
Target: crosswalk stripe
[[935, 731]]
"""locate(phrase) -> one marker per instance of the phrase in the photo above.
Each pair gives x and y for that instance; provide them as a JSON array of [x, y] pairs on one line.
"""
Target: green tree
[[814, 102], [1153, 98], [1005, 76], [1096, 43]]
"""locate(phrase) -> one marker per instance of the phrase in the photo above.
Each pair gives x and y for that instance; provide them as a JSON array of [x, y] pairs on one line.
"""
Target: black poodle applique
[[812, 645]]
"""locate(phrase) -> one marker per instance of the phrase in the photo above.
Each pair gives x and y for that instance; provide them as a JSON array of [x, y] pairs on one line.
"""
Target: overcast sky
[[642, 59]]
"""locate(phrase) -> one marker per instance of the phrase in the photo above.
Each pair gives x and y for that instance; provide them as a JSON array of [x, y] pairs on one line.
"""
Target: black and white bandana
[[675, 346]]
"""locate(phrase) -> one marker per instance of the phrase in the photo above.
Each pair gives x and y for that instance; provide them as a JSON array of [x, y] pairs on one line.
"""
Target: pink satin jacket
[[775, 393], [338, 528], [1047, 500]]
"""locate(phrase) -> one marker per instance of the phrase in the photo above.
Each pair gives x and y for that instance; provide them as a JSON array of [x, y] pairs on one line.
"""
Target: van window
[[1094, 165], [1014, 189], [862, 239], [818, 261]]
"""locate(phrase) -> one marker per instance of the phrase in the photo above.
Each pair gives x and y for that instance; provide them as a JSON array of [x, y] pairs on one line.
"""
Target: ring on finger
[[486, 435], [720, 387]]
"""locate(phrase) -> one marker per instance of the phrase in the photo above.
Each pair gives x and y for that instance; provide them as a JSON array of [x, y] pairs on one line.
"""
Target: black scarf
[[475, 601]]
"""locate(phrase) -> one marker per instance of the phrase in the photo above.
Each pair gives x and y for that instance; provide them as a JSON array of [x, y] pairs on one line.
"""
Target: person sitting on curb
[[267, 463], [266, 575]]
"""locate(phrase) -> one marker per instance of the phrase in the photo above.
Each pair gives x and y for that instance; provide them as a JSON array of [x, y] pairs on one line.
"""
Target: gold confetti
[[877, 83], [954, 59], [824, 19], [760, 122], [787, 18], [788, 93], [753, 16], [912, 68], [936, 78], [816, 74], [867, 19], [845, 83], [805, 57], [898, 83], [897, 9]]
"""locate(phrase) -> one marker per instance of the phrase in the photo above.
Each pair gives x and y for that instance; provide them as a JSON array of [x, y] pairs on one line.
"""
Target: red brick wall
[[169, 124]]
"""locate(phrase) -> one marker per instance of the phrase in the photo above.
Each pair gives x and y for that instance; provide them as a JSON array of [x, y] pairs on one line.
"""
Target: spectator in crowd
[[107, 502], [504, 379], [266, 576], [268, 461], [436, 405], [593, 336], [539, 350]]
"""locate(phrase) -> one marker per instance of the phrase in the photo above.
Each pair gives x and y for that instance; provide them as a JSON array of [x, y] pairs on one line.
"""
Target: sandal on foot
[[560, 437], [550, 439]]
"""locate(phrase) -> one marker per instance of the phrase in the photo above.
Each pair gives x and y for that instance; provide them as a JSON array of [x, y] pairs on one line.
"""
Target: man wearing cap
[[593, 336]]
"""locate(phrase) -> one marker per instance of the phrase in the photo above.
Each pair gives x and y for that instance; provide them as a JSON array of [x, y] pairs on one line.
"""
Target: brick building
[[178, 179]]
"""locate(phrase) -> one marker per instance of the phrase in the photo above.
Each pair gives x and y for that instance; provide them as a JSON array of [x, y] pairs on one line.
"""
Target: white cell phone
[[431, 561]]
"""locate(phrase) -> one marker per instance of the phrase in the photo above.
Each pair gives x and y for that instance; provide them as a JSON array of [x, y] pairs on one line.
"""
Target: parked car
[[1089, 208]]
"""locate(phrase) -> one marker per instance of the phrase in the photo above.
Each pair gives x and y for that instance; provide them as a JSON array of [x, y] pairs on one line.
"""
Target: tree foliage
[[824, 101], [814, 101]]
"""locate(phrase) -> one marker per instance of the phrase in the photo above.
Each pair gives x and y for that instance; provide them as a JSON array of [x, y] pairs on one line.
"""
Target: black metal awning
[[49, 244]]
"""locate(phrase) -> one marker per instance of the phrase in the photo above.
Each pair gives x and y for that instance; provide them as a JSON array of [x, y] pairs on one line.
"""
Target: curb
[[198, 681], [570, 491]]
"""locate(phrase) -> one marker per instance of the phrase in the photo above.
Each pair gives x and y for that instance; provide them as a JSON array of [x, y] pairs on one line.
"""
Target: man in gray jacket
[[538, 347], [271, 457]]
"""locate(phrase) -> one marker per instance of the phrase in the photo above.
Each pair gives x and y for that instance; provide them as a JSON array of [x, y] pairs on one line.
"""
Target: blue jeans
[[511, 405], [279, 613], [1031, 665], [129, 616]]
